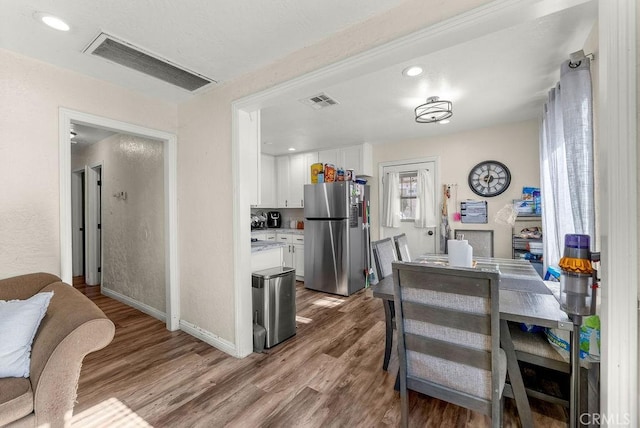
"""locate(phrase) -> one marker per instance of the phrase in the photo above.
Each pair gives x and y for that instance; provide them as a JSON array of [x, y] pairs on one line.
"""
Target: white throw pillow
[[19, 321]]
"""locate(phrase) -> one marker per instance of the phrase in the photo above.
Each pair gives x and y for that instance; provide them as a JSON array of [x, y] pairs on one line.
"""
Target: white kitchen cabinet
[[267, 183], [298, 255], [293, 252], [359, 158], [282, 180], [309, 159], [266, 259], [329, 156], [290, 178]]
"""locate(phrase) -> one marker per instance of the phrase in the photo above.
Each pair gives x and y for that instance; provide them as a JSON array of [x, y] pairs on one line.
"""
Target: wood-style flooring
[[328, 375]]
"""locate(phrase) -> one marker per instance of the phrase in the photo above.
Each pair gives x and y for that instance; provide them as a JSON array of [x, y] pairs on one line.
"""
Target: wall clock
[[489, 178]]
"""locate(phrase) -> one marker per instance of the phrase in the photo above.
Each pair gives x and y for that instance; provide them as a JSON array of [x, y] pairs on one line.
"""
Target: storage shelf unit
[[519, 245]]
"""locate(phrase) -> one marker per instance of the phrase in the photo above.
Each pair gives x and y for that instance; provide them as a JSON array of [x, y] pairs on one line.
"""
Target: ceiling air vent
[[319, 101], [131, 56]]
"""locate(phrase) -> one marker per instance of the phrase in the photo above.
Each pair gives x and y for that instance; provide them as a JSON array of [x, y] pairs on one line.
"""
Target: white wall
[[133, 248], [204, 157], [515, 145], [31, 92]]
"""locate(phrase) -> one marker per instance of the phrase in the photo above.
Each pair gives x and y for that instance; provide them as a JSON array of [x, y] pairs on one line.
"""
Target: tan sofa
[[72, 328]]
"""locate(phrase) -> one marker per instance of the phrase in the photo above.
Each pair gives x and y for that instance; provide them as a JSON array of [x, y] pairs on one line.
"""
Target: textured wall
[[133, 259], [516, 145], [31, 93]]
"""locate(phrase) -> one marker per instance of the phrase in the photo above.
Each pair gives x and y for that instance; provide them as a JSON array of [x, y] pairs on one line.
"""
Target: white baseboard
[[142, 307], [210, 338]]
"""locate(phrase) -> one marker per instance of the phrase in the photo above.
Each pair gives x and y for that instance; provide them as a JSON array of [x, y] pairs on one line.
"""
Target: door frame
[[65, 118], [436, 186]]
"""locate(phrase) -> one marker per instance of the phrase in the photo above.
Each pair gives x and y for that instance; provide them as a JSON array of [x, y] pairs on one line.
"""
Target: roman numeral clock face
[[489, 178]]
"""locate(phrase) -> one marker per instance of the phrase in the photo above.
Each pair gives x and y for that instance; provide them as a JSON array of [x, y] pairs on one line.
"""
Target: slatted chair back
[[384, 255], [449, 336], [402, 247]]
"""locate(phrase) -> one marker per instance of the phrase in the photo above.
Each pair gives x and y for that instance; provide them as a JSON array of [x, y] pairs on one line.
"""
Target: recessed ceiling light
[[52, 21], [412, 71], [292, 149], [444, 122]]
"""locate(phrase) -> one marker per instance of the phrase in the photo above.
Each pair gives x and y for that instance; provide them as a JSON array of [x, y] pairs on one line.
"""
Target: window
[[408, 195]]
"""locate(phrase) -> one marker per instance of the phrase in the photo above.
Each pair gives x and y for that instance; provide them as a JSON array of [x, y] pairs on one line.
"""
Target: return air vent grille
[[130, 56], [319, 101]]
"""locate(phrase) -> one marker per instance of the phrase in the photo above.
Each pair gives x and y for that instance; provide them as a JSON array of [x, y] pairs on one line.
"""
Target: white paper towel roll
[[460, 253]]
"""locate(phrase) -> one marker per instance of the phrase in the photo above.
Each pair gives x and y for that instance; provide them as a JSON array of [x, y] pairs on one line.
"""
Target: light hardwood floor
[[329, 375]]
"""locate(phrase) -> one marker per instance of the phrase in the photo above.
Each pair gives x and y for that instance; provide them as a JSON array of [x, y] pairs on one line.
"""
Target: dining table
[[523, 298]]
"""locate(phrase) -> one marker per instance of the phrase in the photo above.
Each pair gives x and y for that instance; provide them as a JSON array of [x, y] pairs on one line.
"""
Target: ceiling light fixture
[[52, 21], [412, 71], [434, 111], [444, 122], [291, 149]]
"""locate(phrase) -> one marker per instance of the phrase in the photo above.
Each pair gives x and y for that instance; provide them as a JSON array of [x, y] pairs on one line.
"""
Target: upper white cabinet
[[291, 173], [296, 181], [267, 184], [309, 159], [329, 156], [359, 158], [282, 174]]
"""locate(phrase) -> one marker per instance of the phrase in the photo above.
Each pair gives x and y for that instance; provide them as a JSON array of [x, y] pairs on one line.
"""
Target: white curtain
[[566, 152], [425, 207], [391, 200]]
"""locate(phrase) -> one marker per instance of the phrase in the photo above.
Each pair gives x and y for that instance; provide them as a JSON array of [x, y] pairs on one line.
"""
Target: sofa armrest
[[24, 286], [72, 328]]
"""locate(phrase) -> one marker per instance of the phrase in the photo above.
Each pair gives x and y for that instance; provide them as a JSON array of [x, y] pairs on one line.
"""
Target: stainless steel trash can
[[274, 299]]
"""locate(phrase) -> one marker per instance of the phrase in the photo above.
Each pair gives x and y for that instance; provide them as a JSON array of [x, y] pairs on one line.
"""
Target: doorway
[[169, 206], [420, 240]]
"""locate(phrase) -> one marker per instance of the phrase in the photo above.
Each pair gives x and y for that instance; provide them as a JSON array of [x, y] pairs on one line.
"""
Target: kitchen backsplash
[[287, 214]]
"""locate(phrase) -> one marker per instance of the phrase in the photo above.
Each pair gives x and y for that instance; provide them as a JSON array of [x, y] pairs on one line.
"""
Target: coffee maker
[[274, 220]]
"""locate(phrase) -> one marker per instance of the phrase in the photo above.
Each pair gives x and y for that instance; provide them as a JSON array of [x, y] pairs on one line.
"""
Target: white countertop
[[279, 230], [265, 246]]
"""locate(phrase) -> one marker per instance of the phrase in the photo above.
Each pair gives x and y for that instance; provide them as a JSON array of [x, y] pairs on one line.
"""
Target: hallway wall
[[132, 228]]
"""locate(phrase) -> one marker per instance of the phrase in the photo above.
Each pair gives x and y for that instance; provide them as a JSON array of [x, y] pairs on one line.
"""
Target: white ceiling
[[499, 77], [219, 39]]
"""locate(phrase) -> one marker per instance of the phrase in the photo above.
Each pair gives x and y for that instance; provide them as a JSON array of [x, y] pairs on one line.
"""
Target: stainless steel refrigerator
[[336, 237]]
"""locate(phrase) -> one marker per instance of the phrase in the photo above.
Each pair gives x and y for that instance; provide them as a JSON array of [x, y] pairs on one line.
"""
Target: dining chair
[[448, 325], [384, 255], [480, 240], [402, 247]]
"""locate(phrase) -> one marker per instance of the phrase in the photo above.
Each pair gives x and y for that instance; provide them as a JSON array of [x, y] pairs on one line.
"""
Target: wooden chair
[[384, 255], [402, 247], [448, 325]]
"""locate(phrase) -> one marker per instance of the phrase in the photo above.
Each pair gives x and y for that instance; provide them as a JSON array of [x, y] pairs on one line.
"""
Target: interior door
[[420, 240], [77, 221]]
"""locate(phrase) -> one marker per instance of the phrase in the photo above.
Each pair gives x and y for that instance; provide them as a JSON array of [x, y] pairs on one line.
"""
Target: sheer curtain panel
[[566, 160], [425, 210], [391, 200]]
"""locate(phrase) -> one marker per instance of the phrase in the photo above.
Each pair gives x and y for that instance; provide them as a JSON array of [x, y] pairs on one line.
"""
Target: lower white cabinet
[[293, 252], [266, 259]]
